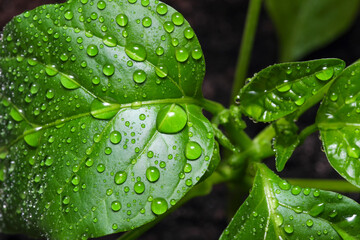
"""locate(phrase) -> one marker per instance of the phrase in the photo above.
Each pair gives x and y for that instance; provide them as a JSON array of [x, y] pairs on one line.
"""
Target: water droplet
[[101, 5], [89, 162], [159, 206], [115, 137], [169, 27], [120, 177], [51, 70], [189, 33], [279, 219], [101, 110], [317, 210], [300, 101], [197, 54], [187, 168], [122, 20], [139, 76], [161, 71], [177, 18], [75, 180], [145, 3], [108, 70], [110, 41], [289, 229], [171, 119], [193, 150], [326, 74], [353, 152], [309, 223], [284, 185], [68, 15], [284, 87], [15, 114], [136, 52], [100, 168], [68, 82], [333, 97], [333, 213], [139, 187], [182, 54], [159, 51], [32, 138], [152, 174], [116, 206], [92, 50], [146, 22], [296, 190], [161, 9], [49, 161]]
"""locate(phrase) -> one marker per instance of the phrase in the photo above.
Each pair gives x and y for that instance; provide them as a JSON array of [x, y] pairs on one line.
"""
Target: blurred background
[[219, 26]]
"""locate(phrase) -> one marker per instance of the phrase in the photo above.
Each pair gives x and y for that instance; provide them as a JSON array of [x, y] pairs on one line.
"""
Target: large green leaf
[[100, 123], [277, 210], [306, 25], [339, 122], [281, 89]]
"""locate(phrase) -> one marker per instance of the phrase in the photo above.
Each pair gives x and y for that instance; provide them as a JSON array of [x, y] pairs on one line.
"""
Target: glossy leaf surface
[[281, 89], [285, 142], [100, 123], [277, 210], [306, 25], [339, 122]]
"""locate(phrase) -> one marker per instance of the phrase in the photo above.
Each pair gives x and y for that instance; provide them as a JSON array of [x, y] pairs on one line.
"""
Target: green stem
[[326, 184], [307, 131], [246, 46], [213, 107]]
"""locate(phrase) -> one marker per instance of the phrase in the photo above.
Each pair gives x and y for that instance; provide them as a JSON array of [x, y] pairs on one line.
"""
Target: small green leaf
[[306, 25], [277, 210], [100, 118], [281, 89], [285, 142], [338, 119]]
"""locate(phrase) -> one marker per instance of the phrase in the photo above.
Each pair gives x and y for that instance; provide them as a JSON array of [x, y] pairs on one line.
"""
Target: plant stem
[[326, 184], [307, 131], [211, 106], [252, 19]]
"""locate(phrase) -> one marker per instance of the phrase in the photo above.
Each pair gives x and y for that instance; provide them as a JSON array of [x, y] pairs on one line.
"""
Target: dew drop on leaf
[[197, 53], [181, 54], [193, 150], [116, 206], [92, 50], [33, 138], [115, 137], [68, 82], [152, 174], [139, 187], [122, 20], [161, 9], [108, 70], [177, 18], [139, 76], [146, 22], [136, 52], [159, 206], [120, 177], [171, 119], [101, 110], [51, 70], [161, 71], [289, 229], [326, 74], [317, 210], [110, 41]]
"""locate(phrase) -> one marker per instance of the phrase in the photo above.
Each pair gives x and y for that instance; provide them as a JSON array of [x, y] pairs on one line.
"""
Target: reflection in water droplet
[[181, 54], [120, 177], [139, 76], [289, 228], [115, 137], [171, 119], [108, 70], [161, 9], [177, 18], [110, 41], [122, 20], [139, 187], [92, 50], [116, 206]]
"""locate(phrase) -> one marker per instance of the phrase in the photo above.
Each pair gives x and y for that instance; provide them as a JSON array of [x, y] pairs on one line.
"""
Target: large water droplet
[[15, 114], [152, 174], [51, 70], [146, 22], [92, 50], [139, 187], [136, 52], [108, 70], [116, 206], [115, 137], [177, 18], [122, 20], [161, 9], [161, 71], [182, 54], [110, 41], [120, 177], [317, 210], [101, 110], [171, 119], [288, 228], [326, 74], [284, 87], [353, 152], [159, 206], [32, 138], [279, 219], [68, 82], [139, 76], [193, 150]]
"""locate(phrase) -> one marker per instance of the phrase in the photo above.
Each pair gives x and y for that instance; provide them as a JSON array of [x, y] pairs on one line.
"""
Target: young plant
[[103, 131]]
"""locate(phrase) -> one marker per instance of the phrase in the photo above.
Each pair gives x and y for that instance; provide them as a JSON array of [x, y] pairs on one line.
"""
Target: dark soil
[[219, 26]]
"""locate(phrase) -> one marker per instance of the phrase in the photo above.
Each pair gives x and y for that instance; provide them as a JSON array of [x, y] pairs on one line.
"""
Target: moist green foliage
[[101, 128], [277, 210]]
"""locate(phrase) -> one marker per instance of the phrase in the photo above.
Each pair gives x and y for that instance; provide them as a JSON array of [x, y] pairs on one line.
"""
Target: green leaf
[[100, 118], [277, 210], [339, 124], [281, 89], [285, 142], [306, 25]]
